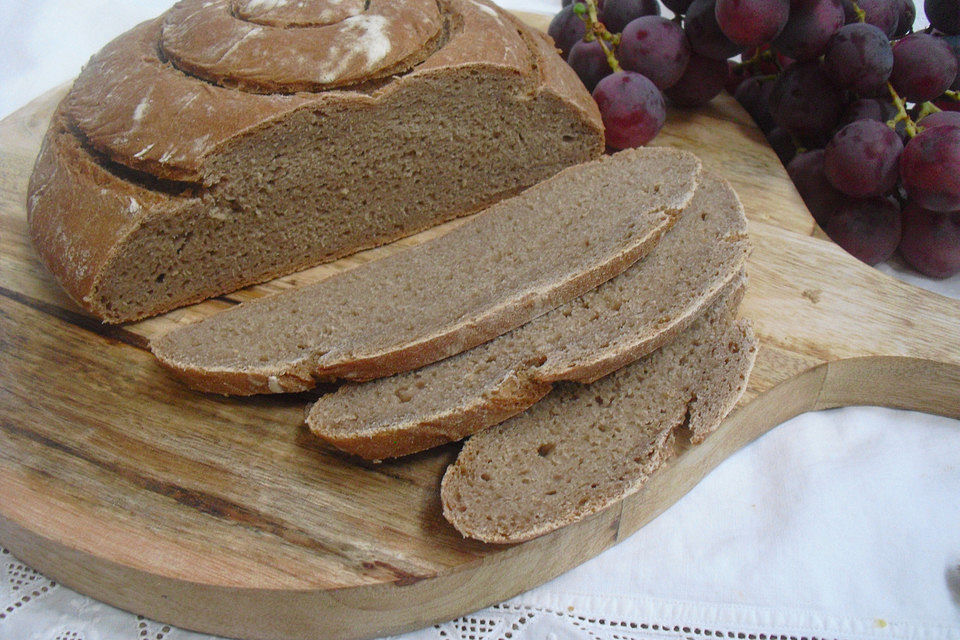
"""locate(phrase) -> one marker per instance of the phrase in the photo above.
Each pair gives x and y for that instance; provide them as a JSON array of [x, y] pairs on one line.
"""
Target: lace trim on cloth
[[33, 606], [519, 622], [21, 584]]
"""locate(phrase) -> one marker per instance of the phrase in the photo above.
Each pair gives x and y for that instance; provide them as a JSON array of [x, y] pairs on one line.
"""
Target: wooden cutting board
[[226, 516]]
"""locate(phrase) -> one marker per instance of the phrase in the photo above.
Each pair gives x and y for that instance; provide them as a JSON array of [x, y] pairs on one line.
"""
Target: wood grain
[[214, 513]]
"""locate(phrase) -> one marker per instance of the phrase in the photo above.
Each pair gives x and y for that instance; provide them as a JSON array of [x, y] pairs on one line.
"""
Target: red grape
[[868, 109], [590, 62], [809, 28], [947, 104], [736, 74], [923, 67], [782, 144], [679, 7], [883, 14], [566, 29], [655, 47], [859, 58], [753, 94], [907, 16], [931, 241], [861, 160], [632, 108], [705, 35], [617, 14], [940, 119], [806, 171], [700, 83], [805, 103], [869, 229], [752, 22], [954, 43], [930, 168], [944, 15]]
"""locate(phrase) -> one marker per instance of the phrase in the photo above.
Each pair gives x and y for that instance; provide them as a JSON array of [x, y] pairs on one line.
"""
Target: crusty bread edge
[[513, 394]]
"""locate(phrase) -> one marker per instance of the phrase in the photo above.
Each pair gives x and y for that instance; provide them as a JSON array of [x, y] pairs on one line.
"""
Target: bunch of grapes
[[864, 111]]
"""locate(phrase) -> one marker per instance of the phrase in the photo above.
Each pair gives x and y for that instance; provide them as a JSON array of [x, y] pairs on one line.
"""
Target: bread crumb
[[813, 295]]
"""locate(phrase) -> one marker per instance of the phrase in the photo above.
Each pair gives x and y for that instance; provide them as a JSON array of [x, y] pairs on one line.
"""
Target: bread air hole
[[546, 449]]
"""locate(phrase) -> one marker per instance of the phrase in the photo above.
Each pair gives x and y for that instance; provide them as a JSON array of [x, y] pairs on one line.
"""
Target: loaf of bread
[[231, 141], [508, 265], [620, 321], [585, 447]]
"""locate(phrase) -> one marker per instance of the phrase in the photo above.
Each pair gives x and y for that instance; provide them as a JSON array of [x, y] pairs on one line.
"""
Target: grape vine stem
[[926, 109], [902, 115], [587, 11], [758, 58], [860, 13], [898, 102]]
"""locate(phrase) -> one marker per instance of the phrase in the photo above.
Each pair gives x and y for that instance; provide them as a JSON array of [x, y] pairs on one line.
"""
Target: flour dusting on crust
[[486, 9], [265, 5], [366, 36]]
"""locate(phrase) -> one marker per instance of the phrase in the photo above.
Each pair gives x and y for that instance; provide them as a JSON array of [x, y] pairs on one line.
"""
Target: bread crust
[[137, 126], [513, 394]]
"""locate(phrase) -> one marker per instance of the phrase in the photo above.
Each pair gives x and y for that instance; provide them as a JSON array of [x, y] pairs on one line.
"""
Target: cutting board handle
[[915, 363], [879, 340], [892, 381]]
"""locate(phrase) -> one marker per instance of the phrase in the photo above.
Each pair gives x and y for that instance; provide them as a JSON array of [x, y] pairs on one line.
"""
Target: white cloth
[[838, 524]]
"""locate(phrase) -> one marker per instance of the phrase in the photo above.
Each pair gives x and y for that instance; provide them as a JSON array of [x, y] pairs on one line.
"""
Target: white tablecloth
[[839, 524]]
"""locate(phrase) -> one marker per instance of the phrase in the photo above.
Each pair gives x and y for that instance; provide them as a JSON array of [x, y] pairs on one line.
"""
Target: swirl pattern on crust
[[129, 99], [279, 46]]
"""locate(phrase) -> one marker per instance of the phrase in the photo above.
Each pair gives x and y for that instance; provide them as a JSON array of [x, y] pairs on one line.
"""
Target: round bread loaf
[[228, 142]]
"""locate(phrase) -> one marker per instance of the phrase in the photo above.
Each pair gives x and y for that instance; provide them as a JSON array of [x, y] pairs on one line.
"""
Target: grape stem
[[587, 11], [926, 109], [953, 95], [757, 58], [860, 13], [902, 115]]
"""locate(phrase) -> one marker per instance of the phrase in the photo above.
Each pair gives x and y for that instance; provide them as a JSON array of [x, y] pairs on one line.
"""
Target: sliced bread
[[585, 447], [515, 261], [582, 340]]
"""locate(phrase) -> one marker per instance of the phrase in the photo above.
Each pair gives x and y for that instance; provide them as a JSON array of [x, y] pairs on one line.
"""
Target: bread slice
[[585, 447], [622, 320], [515, 261], [229, 142]]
